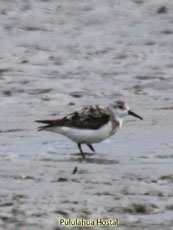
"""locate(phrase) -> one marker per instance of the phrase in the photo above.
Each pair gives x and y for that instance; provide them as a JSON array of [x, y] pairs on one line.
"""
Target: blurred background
[[56, 56]]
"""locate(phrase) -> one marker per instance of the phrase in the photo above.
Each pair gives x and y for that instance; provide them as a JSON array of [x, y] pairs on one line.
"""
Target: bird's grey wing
[[90, 117]]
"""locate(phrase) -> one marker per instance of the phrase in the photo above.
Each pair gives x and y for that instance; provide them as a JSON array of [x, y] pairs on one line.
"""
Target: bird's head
[[121, 110]]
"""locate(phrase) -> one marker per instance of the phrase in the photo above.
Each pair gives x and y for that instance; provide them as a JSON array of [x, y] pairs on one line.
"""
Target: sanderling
[[91, 124]]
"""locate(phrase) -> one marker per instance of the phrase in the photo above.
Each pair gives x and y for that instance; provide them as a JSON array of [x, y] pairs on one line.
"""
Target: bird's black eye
[[121, 107]]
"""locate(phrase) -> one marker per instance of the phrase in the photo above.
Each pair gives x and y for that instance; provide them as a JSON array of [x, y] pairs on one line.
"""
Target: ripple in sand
[[93, 161]]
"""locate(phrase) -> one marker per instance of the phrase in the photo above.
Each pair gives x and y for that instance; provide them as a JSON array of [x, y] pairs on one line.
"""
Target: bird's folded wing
[[90, 117]]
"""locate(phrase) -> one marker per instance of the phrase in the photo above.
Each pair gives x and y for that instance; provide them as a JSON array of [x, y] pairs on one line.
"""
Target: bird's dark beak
[[134, 114]]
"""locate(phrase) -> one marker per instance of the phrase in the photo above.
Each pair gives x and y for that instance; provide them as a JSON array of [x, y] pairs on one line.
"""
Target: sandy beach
[[57, 56]]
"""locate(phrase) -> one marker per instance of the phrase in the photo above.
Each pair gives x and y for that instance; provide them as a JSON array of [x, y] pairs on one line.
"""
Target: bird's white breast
[[85, 135]]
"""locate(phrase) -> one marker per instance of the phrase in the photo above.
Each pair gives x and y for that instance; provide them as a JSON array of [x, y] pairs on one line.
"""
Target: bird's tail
[[49, 124]]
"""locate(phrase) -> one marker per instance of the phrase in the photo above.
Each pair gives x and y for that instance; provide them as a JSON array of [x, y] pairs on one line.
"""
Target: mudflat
[[57, 56]]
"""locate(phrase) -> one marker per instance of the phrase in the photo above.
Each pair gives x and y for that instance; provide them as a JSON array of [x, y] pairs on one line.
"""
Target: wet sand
[[56, 56]]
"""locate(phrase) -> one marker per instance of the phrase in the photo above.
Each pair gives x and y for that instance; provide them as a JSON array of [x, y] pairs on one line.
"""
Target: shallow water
[[58, 56]]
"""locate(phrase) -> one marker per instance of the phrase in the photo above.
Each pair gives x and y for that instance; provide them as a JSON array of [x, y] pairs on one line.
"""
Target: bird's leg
[[91, 147], [80, 148]]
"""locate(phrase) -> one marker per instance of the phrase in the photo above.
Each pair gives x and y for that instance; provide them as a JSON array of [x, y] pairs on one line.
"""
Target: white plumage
[[85, 136]]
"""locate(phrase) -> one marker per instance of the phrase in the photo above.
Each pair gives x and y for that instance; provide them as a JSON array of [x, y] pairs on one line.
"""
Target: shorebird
[[91, 124]]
